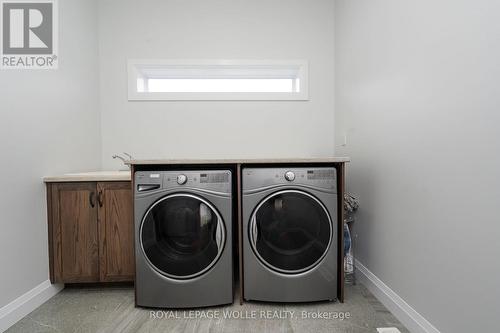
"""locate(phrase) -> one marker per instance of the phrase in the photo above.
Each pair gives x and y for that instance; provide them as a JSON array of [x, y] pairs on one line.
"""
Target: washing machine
[[290, 234], [183, 238]]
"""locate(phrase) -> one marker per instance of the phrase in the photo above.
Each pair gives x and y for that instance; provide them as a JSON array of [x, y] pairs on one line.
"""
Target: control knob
[[181, 179], [290, 176]]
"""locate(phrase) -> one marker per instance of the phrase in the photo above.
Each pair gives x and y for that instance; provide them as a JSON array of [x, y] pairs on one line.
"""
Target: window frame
[[134, 72]]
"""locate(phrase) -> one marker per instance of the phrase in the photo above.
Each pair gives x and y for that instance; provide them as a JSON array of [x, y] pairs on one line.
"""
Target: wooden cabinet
[[91, 232], [116, 232], [74, 229]]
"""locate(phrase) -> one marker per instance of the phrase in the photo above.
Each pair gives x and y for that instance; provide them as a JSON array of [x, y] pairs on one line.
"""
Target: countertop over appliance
[[124, 175], [240, 161]]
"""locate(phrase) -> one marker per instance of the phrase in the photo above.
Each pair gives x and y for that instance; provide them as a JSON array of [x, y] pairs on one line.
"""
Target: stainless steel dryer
[[289, 234], [183, 238]]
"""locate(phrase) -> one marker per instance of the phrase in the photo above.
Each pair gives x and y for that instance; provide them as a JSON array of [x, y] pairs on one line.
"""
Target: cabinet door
[[74, 229], [116, 231]]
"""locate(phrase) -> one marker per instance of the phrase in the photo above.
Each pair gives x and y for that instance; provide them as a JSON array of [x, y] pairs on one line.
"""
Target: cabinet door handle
[[99, 198], [92, 199]]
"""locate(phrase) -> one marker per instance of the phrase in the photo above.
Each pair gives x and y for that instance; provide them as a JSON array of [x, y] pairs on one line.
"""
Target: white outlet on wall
[[388, 330]]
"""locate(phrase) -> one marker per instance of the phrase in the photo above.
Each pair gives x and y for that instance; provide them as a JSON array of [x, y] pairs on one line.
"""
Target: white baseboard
[[413, 320], [24, 304]]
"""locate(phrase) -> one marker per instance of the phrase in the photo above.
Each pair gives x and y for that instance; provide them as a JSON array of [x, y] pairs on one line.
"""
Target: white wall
[[262, 29], [49, 124], [418, 94]]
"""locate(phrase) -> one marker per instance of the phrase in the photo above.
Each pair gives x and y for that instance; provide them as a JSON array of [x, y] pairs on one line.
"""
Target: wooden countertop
[[241, 161], [95, 176]]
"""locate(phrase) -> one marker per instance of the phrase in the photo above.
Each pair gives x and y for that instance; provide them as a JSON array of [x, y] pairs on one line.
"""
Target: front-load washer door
[[182, 236], [290, 231]]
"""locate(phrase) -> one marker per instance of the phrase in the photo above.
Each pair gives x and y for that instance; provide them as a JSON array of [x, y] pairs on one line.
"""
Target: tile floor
[[111, 309]]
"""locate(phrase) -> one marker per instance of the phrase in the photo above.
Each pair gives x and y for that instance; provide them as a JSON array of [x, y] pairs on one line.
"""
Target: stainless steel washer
[[183, 233], [289, 234]]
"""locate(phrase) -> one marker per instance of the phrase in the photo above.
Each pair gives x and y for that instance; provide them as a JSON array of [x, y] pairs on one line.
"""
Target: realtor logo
[[29, 34]]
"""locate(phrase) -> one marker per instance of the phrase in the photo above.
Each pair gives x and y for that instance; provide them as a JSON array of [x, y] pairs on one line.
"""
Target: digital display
[[321, 174], [214, 178]]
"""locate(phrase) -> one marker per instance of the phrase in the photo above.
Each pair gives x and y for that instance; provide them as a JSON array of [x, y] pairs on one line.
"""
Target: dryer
[[289, 234], [183, 238]]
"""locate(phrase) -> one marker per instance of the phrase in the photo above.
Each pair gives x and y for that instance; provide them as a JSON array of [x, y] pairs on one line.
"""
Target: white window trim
[[134, 95]]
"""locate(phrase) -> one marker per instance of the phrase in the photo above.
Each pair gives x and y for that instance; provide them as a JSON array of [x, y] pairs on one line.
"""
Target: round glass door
[[290, 231], [182, 236]]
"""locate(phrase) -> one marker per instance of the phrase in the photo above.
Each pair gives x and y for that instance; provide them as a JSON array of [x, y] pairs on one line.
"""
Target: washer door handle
[[255, 231], [218, 234]]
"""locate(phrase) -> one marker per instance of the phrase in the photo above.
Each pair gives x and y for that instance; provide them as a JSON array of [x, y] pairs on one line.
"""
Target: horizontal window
[[217, 80], [217, 85]]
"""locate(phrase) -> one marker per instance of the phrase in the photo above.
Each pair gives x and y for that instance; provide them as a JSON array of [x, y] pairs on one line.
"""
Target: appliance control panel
[[319, 177], [213, 180]]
